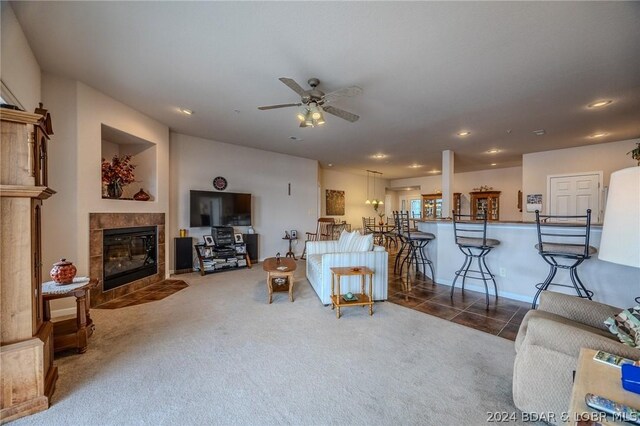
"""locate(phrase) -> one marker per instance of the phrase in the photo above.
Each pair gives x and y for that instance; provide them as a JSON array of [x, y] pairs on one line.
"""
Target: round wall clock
[[220, 183]]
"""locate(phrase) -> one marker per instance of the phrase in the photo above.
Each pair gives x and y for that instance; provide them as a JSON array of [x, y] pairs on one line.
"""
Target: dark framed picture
[[238, 238], [208, 240]]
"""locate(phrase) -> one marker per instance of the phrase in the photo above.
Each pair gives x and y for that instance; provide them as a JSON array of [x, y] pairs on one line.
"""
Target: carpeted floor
[[217, 353]]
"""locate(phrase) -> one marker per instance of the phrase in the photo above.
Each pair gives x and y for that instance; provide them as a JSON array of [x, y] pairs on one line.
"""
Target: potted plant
[[635, 153], [117, 173]]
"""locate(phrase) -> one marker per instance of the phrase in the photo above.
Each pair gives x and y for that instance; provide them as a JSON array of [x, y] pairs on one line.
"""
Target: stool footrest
[[487, 275], [542, 286]]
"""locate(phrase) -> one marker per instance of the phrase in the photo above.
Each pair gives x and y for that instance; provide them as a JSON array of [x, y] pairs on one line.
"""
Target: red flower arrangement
[[118, 171]]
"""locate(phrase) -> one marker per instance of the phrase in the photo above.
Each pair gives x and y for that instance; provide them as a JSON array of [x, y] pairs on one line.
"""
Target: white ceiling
[[428, 70]]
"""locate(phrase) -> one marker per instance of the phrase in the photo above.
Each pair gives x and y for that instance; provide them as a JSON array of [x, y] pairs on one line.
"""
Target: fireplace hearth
[[151, 268], [129, 254]]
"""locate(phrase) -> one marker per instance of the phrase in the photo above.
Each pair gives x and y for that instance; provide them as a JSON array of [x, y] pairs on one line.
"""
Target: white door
[[573, 195]]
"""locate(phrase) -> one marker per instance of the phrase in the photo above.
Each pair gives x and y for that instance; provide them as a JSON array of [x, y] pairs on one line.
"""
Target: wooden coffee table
[[284, 269], [363, 299]]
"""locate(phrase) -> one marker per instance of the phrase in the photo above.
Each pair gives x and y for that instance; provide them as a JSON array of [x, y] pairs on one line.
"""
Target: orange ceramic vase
[[63, 272]]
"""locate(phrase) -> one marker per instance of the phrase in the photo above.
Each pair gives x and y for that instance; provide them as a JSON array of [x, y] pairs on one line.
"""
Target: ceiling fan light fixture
[[301, 115]]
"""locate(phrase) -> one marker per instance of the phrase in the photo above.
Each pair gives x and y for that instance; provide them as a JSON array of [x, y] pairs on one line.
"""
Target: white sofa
[[322, 255]]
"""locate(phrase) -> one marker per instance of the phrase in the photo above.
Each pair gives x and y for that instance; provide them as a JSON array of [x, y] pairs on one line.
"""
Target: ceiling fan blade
[[291, 83], [346, 92], [345, 115], [263, 108]]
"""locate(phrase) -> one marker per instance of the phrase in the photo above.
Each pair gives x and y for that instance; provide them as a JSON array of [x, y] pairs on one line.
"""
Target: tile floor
[[502, 317], [151, 293]]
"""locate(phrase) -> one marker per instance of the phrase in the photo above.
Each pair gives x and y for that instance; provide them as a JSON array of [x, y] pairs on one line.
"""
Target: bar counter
[[517, 266]]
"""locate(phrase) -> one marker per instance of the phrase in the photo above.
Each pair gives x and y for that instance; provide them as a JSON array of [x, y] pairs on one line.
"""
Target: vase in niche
[[114, 190], [141, 196]]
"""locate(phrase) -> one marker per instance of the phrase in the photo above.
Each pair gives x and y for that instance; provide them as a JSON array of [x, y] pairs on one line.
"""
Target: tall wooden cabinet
[[28, 375], [431, 206], [485, 202]]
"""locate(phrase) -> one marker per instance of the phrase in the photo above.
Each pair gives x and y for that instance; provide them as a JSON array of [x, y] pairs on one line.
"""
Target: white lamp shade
[[621, 230]]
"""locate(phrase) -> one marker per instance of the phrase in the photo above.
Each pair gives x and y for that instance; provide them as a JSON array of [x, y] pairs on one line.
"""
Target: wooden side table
[[287, 267], [72, 333], [290, 253], [363, 299], [599, 379]]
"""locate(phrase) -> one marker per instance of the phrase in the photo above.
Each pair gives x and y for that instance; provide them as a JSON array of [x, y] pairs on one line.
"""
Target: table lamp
[[620, 241]]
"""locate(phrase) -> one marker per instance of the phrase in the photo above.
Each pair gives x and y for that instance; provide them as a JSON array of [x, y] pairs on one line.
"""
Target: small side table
[[72, 333], [599, 379], [290, 253], [363, 299], [283, 269]]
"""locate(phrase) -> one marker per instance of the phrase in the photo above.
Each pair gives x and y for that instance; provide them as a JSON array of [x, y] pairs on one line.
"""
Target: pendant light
[[368, 201]]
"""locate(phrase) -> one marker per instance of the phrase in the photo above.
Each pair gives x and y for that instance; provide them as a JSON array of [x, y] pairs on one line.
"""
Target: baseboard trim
[[480, 289]]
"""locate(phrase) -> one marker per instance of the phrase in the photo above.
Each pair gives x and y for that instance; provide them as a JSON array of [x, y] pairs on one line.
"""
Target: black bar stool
[[414, 244], [564, 249], [471, 238]]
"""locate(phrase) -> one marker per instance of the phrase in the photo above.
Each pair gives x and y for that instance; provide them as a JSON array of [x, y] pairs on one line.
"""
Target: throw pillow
[[344, 241], [626, 326], [360, 242]]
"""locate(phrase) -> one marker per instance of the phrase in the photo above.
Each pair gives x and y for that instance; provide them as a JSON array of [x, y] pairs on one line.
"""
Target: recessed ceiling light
[[464, 133], [540, 132], [186, 111], [493, 151], [600, 104], [415, 166], [494, 164], [599, 135], [379, 156], [330, 164]]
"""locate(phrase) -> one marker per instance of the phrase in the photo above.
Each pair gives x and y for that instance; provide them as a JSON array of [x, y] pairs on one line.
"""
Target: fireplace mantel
[[98, 222]]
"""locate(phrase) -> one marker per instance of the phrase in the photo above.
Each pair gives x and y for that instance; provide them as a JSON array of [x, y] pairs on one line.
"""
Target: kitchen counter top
[[518, 266], [498, 222]]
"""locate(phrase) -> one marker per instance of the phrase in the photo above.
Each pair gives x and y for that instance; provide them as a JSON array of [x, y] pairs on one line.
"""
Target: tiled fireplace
[[124, 246]]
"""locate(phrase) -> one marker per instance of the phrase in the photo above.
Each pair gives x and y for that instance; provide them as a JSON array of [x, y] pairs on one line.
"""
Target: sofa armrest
[[577, 309], [568, 340], [321, 247]]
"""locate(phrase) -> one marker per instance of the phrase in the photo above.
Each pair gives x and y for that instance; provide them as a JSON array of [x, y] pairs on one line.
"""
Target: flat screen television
[[219, 209]]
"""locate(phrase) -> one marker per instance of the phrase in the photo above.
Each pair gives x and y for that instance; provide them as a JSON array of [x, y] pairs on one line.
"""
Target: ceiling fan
[[316, 101]]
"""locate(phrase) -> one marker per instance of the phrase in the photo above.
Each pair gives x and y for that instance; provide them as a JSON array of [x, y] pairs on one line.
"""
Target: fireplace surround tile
[[98, 222]]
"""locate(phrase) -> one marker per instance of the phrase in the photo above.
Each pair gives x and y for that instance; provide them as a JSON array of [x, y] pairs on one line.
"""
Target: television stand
[[221, 258]]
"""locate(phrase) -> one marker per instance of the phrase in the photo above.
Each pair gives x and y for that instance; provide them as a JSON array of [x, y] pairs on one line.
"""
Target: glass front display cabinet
[[485, 202]]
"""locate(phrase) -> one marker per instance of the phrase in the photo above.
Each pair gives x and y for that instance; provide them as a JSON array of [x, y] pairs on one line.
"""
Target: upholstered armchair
[[548, 345]]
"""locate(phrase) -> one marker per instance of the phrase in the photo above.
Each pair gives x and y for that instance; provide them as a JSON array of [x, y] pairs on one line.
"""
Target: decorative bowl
[[63, 272]]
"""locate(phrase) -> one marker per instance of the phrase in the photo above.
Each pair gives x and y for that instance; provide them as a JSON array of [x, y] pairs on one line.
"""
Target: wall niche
[[143, 156]]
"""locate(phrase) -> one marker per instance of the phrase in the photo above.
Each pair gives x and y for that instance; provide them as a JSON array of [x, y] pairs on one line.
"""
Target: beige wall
[[507, 180], [265, 175], [355, 188], [78, 112], [605, 157], [20, 70]]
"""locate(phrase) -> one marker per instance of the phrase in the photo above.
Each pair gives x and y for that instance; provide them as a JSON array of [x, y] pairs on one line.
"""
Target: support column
[[447, 183]]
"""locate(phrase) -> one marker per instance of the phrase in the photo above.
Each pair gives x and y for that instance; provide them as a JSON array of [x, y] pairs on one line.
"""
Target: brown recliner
[[548, 345]]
